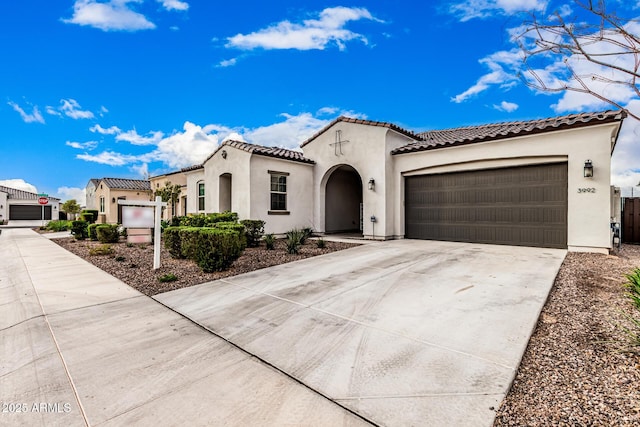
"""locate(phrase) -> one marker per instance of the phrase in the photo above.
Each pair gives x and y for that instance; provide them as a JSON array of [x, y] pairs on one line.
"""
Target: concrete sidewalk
[[79, 347]]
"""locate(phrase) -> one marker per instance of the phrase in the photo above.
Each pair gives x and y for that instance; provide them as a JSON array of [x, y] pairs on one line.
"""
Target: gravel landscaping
[[133, 264], [575, 371]]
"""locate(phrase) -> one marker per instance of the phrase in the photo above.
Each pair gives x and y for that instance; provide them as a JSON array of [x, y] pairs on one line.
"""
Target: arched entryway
[[224, 193], [343, 201]]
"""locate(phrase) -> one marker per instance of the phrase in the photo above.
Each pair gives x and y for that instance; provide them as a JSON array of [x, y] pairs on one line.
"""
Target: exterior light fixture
[[224, 154], [588, 169], [372, 184], [113, 200]]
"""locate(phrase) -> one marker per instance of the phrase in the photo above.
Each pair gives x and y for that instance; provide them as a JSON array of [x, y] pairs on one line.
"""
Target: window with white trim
[[278, 191], [201, 196], [101, 204]]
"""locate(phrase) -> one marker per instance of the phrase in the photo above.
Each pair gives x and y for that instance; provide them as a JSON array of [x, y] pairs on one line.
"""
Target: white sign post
[[158, 204]]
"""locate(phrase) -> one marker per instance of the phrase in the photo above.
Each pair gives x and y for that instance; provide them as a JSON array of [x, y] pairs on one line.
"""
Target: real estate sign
[[137, 217]]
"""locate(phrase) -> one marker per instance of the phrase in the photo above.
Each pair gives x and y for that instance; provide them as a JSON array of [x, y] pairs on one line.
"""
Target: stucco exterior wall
[[110, 214], [4, 210], [589, 211], [178, 178], [193, 178], [367, 151], [300, 186], [237, 164]]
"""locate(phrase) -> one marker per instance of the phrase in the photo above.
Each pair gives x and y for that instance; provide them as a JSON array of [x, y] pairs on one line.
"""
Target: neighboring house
[[90, 194], [520, 183], [175, 178], [110, 190], [19, 205]]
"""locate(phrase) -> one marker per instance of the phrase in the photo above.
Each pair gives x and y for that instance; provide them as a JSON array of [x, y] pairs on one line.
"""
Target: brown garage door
[[28, 212], [523, 206]]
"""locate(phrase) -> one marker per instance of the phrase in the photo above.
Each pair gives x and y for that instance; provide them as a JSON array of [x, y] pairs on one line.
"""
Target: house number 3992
[[586, 190]]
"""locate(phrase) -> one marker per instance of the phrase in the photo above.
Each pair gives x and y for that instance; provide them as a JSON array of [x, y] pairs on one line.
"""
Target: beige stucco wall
[[299, 194], [177, 178], [237, 164], [110, 214], [193, 178], [4, 210], [588, 213], [367, 151]]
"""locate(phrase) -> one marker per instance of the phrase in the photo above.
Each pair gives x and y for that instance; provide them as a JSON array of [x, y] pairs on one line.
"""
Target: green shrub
[[79, 229], [107, 233], [204, 220], [189, 241], [217, 249], [101, 250], [321, 243], [93, 234], [253, 229], [306, 233], [295, 238], [172, 241], [169, 277], [633, 287], [59, 225], [270, 241], [89, 215]]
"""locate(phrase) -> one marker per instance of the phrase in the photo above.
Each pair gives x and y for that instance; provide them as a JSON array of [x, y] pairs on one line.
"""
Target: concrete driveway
[[401, 332]]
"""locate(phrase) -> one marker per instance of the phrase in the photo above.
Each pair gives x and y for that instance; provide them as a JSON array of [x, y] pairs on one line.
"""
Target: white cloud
[[142, 170], [114, 15], [503, 71], [52, 111], [625, 162], [110, 158], [71, 108], [228, 63], [68, 193], [288, 133], [113, 130], [508, 107], [34, 117], [481, 9], [19, 184], [319, 33], [89, 145], [103, 110], [192, 146], [135, 139], [174, 4]]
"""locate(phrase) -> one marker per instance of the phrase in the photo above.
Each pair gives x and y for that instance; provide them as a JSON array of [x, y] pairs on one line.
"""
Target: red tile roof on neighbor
[[362, 122], [127, 184], [14, 193], [466, 135], [279, 153]]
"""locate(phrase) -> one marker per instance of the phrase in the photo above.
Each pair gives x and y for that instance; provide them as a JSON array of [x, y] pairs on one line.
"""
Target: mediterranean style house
[[543, 183], [103, 195]]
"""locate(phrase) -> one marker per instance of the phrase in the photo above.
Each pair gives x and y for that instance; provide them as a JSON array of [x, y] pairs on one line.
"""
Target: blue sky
[[125, 88]]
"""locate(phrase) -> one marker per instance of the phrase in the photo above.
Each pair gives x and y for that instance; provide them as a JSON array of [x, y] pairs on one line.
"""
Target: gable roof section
[[467, 135], [192, 168], [276, 152], [14, 193], [345, 119], [127, 184]]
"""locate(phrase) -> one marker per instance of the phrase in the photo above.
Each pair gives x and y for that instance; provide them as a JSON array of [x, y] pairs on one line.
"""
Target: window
[[201, 196], [278, 192], [101, 204]]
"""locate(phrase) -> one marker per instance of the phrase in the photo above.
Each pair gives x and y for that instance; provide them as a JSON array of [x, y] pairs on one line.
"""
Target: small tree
[[598, 49], [170, 193], [70, 207]]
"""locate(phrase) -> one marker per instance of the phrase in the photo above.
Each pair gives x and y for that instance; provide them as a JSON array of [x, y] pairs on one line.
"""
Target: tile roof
[[14, 193], [192, 168], [127, 184], [362, 122], [279, 153], [466, 135]]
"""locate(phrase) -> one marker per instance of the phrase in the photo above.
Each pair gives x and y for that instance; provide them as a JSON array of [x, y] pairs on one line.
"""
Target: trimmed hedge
[[108, 233], [79, 230], [93, 234], [212, 248], [204, 220], [89, 215], [253, 229]]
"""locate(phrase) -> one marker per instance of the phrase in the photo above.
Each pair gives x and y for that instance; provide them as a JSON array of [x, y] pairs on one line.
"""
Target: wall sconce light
[[372, 184], [224, 154], [113, 200], [1, 206], [588, 169]]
